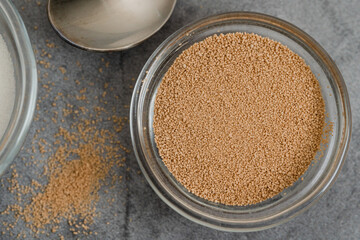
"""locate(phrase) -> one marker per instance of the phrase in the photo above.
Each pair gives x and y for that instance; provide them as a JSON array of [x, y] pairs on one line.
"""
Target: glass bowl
[[17, 40], [293, 200]]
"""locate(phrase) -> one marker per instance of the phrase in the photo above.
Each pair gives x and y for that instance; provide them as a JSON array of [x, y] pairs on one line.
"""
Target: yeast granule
[[238, 118]]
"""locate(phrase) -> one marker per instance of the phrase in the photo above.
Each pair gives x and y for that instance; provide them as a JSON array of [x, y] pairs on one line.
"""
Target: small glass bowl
[[293, 200], [17, 40]]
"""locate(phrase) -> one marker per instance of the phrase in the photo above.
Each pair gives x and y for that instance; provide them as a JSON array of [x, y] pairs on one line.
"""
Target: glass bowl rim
[[343, 147], [27, 99]]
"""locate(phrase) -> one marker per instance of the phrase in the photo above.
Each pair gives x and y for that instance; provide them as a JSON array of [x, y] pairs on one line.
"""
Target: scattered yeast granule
[[238, 118]]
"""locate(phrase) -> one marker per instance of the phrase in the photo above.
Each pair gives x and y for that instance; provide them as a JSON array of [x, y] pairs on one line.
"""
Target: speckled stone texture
[[140, 213]]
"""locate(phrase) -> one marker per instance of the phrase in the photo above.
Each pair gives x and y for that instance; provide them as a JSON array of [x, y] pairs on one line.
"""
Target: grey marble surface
[[140, 213]]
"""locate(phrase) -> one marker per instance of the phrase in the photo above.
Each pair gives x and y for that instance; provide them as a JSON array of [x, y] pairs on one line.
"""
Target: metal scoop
[[108, 25]]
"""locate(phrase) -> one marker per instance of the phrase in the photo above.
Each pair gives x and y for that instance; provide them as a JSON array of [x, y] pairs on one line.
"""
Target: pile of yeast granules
[[238, 118], [86, 159], [68, 182]]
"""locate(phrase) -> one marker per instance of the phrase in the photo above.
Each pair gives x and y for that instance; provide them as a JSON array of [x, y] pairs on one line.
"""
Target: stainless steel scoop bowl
[[108, 25]]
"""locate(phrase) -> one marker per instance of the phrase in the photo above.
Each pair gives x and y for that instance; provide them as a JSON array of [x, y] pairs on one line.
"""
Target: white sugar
[[7, 86]]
